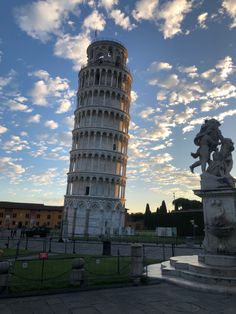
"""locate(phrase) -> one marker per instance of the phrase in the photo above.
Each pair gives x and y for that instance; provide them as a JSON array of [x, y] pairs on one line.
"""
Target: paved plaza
[[159, 298]]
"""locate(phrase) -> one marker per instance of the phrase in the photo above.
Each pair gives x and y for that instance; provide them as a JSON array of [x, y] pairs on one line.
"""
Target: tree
[[186, 204], [163, 209], [147, 217]]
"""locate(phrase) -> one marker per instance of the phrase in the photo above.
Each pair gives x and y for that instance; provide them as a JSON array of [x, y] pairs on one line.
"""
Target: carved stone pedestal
[[219, 207]]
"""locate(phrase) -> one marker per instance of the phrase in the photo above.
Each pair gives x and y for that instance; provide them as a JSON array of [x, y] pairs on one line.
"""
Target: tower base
[[92, 216]]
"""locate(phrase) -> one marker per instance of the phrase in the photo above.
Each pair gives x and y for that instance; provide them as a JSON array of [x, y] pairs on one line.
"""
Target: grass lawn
[[54, 273], [9, 253]]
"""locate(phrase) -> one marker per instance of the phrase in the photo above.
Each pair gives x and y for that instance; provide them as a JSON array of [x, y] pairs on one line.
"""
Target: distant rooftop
[[32, 206]]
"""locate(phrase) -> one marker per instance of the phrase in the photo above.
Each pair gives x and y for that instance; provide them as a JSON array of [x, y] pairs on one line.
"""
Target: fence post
[[77, 272], [118, 261], [163, 252], [17, 249], [173, 249], [50, 245], [73, 246], [137, 267], [26, 243]]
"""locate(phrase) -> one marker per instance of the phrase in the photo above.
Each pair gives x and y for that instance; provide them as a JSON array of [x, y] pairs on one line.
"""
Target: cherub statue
[[207, 139]]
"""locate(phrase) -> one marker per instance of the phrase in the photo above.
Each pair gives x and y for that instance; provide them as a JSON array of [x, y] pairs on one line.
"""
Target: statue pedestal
[[219, 207]]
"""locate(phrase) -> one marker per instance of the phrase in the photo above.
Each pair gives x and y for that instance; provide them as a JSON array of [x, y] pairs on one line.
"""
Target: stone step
[[192, 264]]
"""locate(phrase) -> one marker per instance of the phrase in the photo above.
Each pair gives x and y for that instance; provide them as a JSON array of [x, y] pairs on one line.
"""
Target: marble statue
[[215, 156]]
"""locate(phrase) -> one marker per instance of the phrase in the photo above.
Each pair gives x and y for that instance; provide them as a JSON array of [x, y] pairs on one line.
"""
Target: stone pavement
[[159, 298]]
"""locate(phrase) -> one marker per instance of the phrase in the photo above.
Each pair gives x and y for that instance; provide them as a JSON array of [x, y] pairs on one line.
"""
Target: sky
[[182, 56]]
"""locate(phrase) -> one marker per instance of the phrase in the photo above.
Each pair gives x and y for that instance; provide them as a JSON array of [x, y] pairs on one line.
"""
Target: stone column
[[137, 263]]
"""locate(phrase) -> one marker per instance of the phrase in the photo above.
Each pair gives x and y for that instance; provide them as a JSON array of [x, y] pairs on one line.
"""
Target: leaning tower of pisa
[[95, 196]]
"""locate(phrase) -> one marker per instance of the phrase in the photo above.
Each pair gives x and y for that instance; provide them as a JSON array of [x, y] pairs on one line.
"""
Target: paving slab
[[160, 298]]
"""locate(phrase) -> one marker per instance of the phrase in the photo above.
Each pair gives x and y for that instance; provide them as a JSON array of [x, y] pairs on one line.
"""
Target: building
[[95, 196], [29, 214]]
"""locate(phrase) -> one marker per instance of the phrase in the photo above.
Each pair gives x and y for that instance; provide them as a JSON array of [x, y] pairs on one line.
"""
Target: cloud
[[191, 71], [145, 10], [4, 81], [134, 96], [3, 129], [73, 48], [34, 119], [95, 21], [162, 158], [230, 7], [122, 20], [65, 106], [202, 20], [107, 4], [11, 169], [221, 71], [40, 19], [158, 66], [173, 14], [15, 144], [48, 87], [44, 178], [166, 82], [17, 106], [51, 124], [147, 112]]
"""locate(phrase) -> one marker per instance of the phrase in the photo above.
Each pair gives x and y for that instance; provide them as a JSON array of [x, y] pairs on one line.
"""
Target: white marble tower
[[95, 196]]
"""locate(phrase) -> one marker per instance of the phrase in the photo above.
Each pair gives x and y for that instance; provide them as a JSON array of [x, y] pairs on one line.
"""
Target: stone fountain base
[[204, 272]]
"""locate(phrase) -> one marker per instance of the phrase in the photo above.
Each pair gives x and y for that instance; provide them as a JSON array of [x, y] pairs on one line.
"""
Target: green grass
[[99, 270], [9, 253]]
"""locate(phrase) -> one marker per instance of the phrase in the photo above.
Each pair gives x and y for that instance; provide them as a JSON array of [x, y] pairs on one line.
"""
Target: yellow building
[[29, 214]]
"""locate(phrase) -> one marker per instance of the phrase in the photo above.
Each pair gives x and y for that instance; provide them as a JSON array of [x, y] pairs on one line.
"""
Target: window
[[1, 214], [13, 223], [26, 215], [14, 215], [114, 146], [38, 216], [59, 216], [49, 216], [37, 223], [48, 223], [87, 190], [0, 222]]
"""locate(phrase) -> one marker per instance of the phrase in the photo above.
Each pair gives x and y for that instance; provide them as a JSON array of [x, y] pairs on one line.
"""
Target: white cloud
[[40, 19], [3, 129], [227, 90], [10, 168], [65, 106], [15, 144], [147, 112], [157, 66], [48, 87], [34, 119], [4, 81], [73, 48], [122, 20], [17, 106], [44, 178], [191, 71], [166, 82], [173, 14], [221, 71], [134, 96], [95, 21], [69, 121], [51, 124], [108, 4], [145, 10], [230, 7], [202, 20], [162, 158], [183, 117]]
